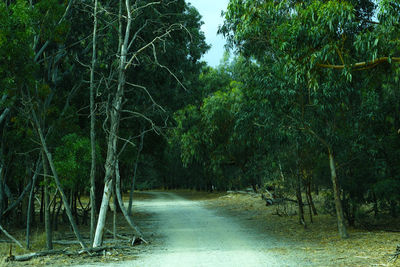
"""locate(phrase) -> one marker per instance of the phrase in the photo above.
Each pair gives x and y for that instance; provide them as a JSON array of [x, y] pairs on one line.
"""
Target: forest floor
[[318, 244], [231, 228]]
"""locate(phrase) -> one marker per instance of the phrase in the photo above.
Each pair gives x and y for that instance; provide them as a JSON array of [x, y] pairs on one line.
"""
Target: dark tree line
[[309, 103], [81, 82]]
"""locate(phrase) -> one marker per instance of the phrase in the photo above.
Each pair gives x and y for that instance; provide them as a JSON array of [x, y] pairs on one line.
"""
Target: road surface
[[194, 235]]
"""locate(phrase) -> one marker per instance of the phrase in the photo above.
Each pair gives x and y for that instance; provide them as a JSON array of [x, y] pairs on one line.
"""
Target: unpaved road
[[193, 235]]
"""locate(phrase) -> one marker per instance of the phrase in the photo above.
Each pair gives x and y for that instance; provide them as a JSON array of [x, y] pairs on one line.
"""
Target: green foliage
[[16, 33], [72, 160]]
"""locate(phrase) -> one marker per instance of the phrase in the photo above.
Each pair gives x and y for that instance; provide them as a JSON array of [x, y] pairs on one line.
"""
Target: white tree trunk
[[47, 223], [101, 221], [114, 115], [92, 130]]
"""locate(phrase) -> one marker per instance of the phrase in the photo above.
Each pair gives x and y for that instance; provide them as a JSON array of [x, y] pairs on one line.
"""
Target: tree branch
[[361, 65]]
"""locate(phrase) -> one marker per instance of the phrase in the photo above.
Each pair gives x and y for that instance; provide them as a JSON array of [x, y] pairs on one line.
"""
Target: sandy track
[[193, 235]]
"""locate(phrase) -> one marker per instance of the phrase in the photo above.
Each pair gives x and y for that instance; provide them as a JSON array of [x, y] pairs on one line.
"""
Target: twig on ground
[[395, 256]]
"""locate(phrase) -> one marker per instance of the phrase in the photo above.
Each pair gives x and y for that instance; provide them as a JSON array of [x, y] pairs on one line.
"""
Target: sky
[[210, 10]]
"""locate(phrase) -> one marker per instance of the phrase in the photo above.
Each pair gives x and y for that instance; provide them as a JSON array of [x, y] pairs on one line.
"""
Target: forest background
[[99, 97]]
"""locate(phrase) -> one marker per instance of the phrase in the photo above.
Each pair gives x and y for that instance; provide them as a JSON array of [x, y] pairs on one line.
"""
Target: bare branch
[[10, 236], [361, 65], [4, 114], [165, 67], [148, 94], [172, 28]]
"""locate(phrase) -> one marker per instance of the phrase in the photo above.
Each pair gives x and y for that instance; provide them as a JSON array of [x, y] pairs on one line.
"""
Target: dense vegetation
[[102, 93]]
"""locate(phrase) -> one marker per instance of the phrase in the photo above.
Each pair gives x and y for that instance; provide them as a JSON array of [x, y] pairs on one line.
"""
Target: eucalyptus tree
[[142, 40], [306, 37]]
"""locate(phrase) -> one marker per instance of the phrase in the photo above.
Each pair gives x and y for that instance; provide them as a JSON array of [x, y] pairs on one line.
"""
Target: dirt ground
[[318, 245], [319, 242]]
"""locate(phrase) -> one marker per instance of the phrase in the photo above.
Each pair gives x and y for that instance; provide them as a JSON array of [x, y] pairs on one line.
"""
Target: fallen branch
[[271, 201], [29, 256], [97, 250], [118, 235], [76, 242], [91, 251], [10, 236], [395, 256]]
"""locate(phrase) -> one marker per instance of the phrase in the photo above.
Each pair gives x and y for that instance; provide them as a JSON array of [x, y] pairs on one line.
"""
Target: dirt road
[[193, 235]]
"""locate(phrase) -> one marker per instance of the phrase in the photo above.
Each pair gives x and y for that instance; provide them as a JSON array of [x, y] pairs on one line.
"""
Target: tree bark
[[101, 221], [47, 220], [338, 202], [114, 115], [300, 203], [114, 216], [30, 202], [1, 187], [128, 218], [134, 174], [310, 199], [92, 130]]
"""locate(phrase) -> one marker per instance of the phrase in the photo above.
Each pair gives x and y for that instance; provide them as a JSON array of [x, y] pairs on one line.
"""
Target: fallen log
[[29, 256], [76, 242], [97, 250], [91, 251]]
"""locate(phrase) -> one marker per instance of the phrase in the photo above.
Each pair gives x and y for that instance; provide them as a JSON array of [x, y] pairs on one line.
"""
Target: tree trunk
[[300, 203], [136, 230], [47, 221], [338, 202], [114, 125], [29, 213], [114, 215], [101, 221], [57, 181], [1, 189], [310, 199], [92, 130], [41, 212], [134, 174]]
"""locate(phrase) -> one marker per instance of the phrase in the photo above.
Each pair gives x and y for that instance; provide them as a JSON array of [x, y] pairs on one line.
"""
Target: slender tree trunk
[[1, 189], [310, 199], [338, 202], [309, 205], [128, 218], [58, 183], [114, 215], [376, 211], [101, 221], [300, 203], [53, 214], [47, 221], [92, 130], [134, 174], [114, 125], [31, 205], [55, 225], [41, 212]]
